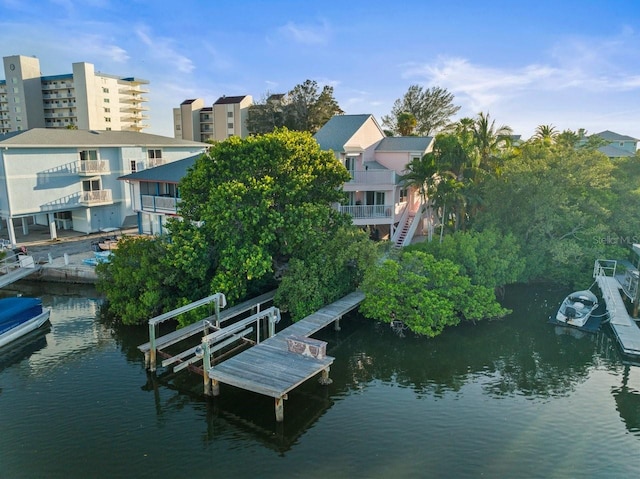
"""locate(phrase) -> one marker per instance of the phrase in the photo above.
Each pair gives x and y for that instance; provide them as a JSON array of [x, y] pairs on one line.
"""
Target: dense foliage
[[421, 111], [323, 274], [426, 294], [304, 108]]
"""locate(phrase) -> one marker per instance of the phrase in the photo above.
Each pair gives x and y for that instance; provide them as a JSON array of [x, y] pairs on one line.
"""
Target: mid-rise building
[[226, 117], [68, 179], [83, 99]]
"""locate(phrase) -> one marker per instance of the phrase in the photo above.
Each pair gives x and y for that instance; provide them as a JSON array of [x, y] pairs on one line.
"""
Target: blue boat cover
[[14, 311]]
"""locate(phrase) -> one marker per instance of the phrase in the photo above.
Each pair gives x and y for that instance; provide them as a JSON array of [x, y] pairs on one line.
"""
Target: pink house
[[377, 198]]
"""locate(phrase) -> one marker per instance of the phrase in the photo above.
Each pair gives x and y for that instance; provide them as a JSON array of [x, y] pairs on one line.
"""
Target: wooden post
[[280, 408], [217, 301], [272, 324], [325, 380], [206, 365], [152, 347], [215, 387]]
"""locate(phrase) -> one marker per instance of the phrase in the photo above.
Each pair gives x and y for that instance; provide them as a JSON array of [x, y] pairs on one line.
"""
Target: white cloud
[[305, 34], [161, 49]]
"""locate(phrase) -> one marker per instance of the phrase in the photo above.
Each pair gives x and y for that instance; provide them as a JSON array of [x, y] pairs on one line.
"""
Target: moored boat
[[19, 316], [577, 308]]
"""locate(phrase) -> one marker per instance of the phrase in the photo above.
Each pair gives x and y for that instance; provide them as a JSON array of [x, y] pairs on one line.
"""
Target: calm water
[[512, 398]]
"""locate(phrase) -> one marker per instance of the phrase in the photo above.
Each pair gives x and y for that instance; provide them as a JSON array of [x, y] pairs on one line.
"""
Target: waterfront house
[[377, 198], [155, 195], [69, 178], [619, 146]]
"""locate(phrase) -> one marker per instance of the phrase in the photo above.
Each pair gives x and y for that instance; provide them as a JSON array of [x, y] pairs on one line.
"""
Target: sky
[[569, 64]]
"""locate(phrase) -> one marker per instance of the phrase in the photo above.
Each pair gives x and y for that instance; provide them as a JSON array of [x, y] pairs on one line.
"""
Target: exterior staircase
[[404, 231]]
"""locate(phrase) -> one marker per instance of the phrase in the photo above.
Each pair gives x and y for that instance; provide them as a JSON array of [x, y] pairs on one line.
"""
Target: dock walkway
[[269, 368], [623, 325], [15, 268]]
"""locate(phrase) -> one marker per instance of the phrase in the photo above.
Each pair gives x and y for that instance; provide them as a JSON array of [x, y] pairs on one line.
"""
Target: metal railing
[[373, 177], [368, 211], [160, 203], [93, 166], [96, 196]]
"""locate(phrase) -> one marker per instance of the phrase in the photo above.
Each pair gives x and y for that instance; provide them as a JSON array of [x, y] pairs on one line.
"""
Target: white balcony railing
[[153, 162], [96, 197], [373, 177], [160, 204], [368, 211], [92, 167]]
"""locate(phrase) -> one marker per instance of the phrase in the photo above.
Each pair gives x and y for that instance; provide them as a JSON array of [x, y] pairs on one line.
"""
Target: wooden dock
[[624, 327], [271, 369], [197, 328]]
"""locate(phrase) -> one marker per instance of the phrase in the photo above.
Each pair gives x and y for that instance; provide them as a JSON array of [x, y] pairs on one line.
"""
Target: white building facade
[[69, 178], [84, 98]]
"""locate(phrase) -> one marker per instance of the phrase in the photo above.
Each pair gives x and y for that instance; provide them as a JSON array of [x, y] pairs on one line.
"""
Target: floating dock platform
[[623, 325]]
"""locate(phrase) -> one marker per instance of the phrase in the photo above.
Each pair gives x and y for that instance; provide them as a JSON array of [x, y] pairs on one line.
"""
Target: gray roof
[[228, 100], [337, 131], [52, 137], [613, 151], [613, 136], [169, 173], [405, 143]]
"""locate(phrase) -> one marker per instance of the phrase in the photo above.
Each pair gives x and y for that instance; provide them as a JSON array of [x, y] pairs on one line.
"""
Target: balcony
[[96, 197], [370, 179], [369, 214], [153, 162], [93, 167], [160, 204]]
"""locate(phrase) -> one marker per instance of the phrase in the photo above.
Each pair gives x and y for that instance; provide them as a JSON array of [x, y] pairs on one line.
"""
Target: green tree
[[488, 258], [259, 201], [267, 114], [432, 108], [489, 141], [406, 124], [134, 281], [426, 294], [558, 205], [307, 109], [324, 274], [546, 133]]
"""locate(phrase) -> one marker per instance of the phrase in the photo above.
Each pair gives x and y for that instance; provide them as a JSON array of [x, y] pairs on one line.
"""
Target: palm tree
[[422, 174], [489, 141], [546, 133], [406, 123]]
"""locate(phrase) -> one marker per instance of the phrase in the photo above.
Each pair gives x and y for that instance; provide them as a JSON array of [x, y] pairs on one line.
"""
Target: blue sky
[[572, 64]]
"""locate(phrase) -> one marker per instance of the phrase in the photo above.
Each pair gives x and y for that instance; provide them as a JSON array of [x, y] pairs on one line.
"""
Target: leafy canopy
[[259, 200], [426, 294]]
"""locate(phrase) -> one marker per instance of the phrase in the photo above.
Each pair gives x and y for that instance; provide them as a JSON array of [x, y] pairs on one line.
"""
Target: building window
[[154, 154], [105, 90], [230, 126], [108, 128], [16, 90], [403, 195], [91, 185], [133, 166], [86, 155], [229, 114], [107, 110], [107, 119], [18, 109], [106, 100]]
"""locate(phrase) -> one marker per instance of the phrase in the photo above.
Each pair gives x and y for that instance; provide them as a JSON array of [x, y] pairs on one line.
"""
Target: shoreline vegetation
[[257, 215]]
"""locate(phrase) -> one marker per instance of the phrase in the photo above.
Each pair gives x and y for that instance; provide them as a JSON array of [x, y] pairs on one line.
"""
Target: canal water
[[510, 398]]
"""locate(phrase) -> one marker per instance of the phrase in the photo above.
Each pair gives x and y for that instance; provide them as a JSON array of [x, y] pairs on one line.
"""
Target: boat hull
[[24, 327], [576, 309]]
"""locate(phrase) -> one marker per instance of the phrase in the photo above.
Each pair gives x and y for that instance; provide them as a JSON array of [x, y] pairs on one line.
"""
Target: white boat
[[576, 308], [19, 316]]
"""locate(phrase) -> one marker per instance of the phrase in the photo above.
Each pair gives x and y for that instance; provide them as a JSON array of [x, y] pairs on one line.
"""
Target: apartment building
[[84, 99], [226, 117], [68, 179]]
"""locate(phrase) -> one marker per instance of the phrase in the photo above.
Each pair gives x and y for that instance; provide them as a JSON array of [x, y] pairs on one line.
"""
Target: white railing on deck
[[368, 211], [96, 196], [160, 203]]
